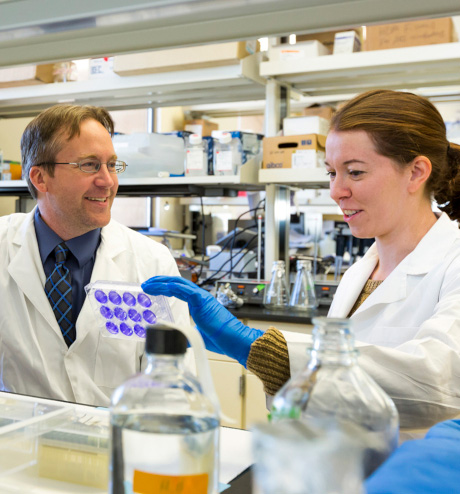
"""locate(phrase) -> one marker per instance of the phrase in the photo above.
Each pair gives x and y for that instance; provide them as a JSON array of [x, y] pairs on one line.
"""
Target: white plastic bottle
[[227, 155], [196, 156]]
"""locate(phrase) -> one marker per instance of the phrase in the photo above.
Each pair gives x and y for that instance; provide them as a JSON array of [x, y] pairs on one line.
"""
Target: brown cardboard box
[[194, 57], [26, 76], [318, 111], [414, 33], [290, 151], [200, 126]]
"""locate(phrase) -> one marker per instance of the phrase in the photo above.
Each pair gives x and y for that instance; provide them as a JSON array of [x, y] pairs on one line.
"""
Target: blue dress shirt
[[80, 262]]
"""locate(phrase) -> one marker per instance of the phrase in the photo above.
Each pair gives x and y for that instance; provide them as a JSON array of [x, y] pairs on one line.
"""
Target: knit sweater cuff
[[269, 360]]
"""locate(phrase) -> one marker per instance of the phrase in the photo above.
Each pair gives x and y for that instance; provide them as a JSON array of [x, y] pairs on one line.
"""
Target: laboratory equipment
[[227, 155], [165, 422], [123, 309], [276, 294], [294, 458], [196, 156], [250, 291], [333, 391], [303, 296]]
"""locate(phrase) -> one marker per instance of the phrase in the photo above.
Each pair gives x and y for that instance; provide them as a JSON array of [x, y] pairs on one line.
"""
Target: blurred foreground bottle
[[164, 429], [303, 296], [334, 392]]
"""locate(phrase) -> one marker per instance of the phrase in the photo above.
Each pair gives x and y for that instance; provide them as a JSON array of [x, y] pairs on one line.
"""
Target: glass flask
[[293, 458], [164, 429], [276, 293], [333, 391], [303, 296]]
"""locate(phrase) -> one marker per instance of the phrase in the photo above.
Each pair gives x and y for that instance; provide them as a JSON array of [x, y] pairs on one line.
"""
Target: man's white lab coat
[[34, 358], [408, 329]]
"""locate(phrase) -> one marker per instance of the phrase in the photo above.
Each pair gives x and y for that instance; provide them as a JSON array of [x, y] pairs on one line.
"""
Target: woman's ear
[[38, 178], [420, 169]]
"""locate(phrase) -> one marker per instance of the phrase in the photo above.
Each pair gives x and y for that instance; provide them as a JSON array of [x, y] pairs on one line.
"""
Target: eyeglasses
[[91, 165]]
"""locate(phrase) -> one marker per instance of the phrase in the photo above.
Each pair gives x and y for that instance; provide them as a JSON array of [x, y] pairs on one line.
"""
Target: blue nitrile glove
[[221, 331]]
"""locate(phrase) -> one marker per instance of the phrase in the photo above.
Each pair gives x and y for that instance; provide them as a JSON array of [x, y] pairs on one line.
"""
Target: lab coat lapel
[[26, 269]]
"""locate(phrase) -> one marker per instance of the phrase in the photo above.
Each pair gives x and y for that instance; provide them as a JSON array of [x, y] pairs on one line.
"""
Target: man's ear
[[38, 178], [420, 173]]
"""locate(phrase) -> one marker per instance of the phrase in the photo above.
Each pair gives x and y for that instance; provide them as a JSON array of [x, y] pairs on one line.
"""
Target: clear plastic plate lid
[[124, 309]]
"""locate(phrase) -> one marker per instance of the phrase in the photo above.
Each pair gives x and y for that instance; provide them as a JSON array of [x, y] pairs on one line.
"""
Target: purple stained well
[[149, 316], [114, 297], [144, 300], [106, 312], [125, 329], [120, 314], [100, 296], [129, 299], [134, 315], [139, 330], [111, 327]]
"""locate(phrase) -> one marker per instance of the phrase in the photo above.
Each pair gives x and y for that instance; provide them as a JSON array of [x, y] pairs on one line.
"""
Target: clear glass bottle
[[163, 428], [196, 156], [227, 155], [334, 391], [303, 296], [276, 293]]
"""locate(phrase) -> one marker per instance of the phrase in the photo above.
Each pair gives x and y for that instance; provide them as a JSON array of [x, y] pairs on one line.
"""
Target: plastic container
[[303, 296], [124, 310], [196, 156], [334, 392], [227, 157], [276, 293], [165, 421]]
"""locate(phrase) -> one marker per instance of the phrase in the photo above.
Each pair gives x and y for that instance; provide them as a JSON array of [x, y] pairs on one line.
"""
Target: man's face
[[73, 202]]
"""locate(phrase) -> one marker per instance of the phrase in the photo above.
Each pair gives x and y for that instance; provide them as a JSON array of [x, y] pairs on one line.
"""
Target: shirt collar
[[83, 247]]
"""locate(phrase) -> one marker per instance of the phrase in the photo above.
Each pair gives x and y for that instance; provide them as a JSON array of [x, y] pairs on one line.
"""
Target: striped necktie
[[58, 289]]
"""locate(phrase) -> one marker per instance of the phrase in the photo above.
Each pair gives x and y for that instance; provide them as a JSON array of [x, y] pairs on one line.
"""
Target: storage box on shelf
[[305, 49], [26, 76], [194, 57], [413, 33]]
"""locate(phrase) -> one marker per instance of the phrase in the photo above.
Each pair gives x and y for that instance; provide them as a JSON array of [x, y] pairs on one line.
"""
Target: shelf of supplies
[[399, 68], [238, 82], [296, 177], [247, 179]]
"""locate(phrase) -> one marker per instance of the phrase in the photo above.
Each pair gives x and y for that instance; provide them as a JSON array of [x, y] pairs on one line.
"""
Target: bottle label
[[146, 483], [195, 159], [224, 161]]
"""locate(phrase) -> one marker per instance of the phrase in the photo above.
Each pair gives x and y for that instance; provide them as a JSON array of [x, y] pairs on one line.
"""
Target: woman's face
[[370, 189]]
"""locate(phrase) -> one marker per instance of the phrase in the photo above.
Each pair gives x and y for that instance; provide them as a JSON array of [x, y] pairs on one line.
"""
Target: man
[[50, 344]]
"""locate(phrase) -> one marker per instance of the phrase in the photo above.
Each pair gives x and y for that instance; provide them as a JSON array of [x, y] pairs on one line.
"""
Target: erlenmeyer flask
[[276, 294], [303, 296]]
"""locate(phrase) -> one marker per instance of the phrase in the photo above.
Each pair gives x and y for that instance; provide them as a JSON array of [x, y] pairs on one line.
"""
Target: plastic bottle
[[164, 429], [276, 293], [227, 155], [333, 391], [303, 296], [196, 156]]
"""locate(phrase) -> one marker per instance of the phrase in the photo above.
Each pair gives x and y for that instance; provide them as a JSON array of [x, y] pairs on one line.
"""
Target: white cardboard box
[[304, 49], [293, 126]]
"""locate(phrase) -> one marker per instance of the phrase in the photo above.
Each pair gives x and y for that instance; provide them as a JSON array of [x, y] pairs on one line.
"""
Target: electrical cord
[[240, 273]]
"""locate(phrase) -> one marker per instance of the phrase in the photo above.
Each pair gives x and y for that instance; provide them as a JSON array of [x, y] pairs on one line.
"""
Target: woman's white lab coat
[[408, 329], [34, 359]]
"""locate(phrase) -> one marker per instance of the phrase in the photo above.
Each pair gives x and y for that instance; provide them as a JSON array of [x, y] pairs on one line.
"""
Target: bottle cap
[[225, 138], [163, 340], [195, 139]]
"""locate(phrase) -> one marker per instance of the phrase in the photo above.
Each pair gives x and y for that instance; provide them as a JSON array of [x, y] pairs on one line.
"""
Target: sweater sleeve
[[269, 360]]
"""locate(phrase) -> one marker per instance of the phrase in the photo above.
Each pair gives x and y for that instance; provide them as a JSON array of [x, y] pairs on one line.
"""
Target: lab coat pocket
[[116, 361], [392, 336]]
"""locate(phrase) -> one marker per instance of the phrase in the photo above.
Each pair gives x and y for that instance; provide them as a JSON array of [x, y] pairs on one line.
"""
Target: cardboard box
[[414, 33], [346, 42], [194, 57], [300, 50], [200, 126], [294, 126], [26, 76], [303, 151], [319, 111], [326, 38]]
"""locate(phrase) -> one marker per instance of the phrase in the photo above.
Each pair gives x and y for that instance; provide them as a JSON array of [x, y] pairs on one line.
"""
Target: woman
[[387, 156]]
